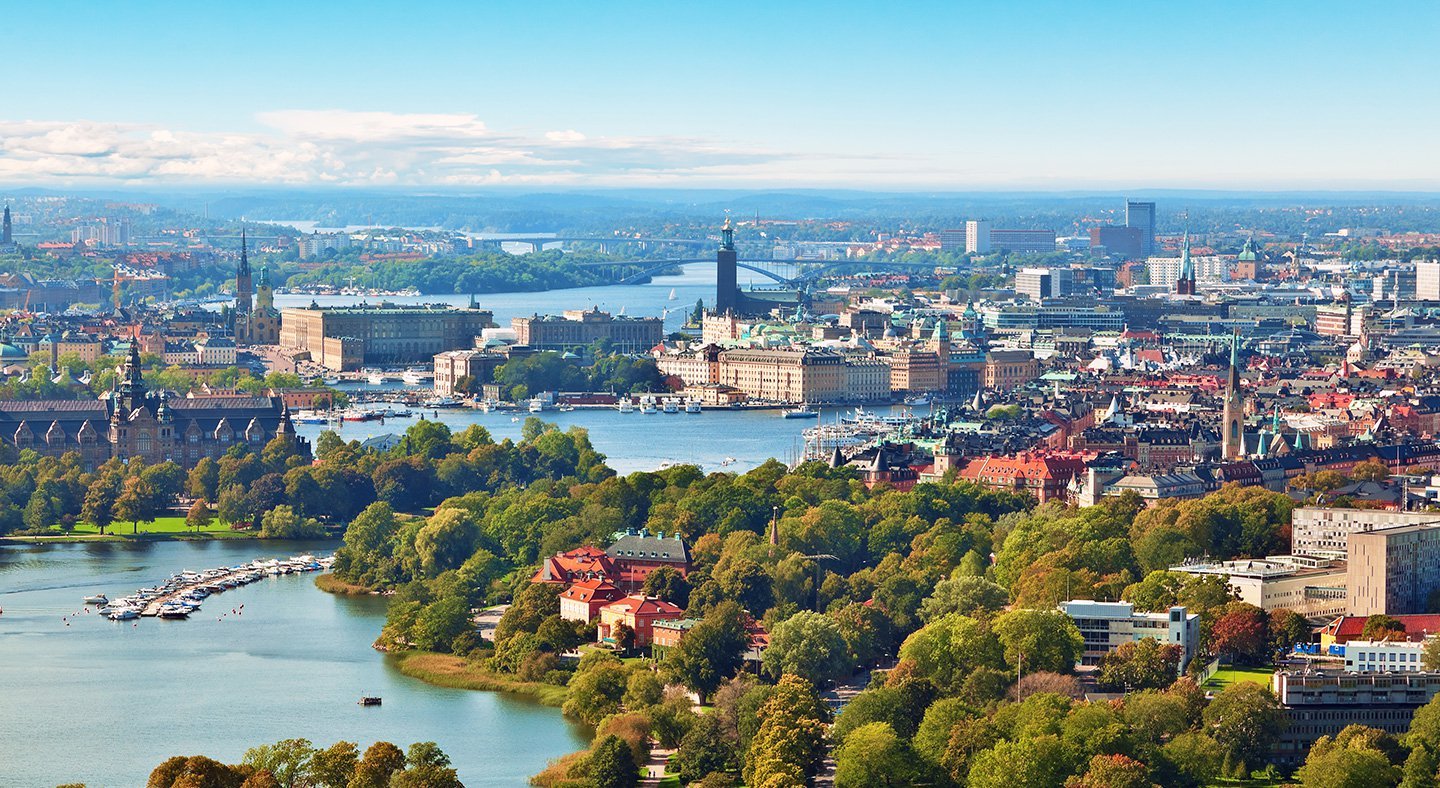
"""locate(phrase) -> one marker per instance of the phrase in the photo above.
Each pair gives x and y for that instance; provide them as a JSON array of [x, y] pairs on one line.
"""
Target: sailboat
[[672, 294]]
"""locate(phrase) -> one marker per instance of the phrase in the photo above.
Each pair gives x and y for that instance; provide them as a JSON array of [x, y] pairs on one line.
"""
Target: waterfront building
[[1325, 532], [1322, 703], [584, 598], [1105, 626], [913, 370], [1312, 587], [453, 365], [1394, 570], [867, 379], [695, 366], [1141, 216], [153, 426], [786, 374], [346, 338], [727, 288], [580, 328], [639, 613], [1384, 656]]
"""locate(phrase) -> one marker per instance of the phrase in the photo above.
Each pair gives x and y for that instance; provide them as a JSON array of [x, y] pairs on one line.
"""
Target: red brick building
[[582, 600], [637, 612], [1045, 476], [578, 564]]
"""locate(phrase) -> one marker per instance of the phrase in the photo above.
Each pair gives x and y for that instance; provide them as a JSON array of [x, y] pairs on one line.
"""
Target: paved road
[[836, 699], [655, 767]]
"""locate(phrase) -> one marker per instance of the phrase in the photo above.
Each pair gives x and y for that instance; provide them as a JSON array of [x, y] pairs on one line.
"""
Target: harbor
[[182, 593]]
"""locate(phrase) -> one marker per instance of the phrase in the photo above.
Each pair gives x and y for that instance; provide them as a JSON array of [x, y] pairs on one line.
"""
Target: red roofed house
[[578, 564], [1347, 628], [1045, 476], [582, 600], [638, 612]]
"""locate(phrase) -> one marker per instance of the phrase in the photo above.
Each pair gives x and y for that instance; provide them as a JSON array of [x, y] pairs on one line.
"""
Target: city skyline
[[1034, 96]]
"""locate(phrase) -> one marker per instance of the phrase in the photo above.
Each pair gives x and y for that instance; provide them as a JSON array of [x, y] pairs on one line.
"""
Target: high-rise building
[[1021, 240], [727, 292], [1427, 280], [1393, 570], [977, 236], [1125, 243], [1141, 216], [1042, 283]]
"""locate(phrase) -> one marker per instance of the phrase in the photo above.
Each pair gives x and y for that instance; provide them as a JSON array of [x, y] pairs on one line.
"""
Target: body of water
[[651, 299], [101, 702]]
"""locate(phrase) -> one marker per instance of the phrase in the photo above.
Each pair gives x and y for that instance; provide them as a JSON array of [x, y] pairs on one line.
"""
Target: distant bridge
[[809, 270]]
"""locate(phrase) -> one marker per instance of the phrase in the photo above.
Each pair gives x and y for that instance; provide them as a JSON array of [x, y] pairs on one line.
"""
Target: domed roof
[[8, 350]]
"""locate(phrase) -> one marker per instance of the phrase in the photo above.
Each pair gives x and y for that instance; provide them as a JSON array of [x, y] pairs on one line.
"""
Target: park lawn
[[448, 670], [160, 525], [1227, 676]]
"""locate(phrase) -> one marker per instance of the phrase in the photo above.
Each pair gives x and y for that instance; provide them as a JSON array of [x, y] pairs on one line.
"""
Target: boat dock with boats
[[183, 593]]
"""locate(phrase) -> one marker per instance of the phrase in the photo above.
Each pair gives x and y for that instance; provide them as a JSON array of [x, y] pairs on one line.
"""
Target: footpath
[[835, 700]]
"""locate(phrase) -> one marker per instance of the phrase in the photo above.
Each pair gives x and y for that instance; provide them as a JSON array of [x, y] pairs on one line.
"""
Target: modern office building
[[1141, 216], [579, 328], [1393, 570], [1107, 625], [1322, 703], [1042, 283], [1022, 240], [1323, 532], [345, 338], [1126, 243], [1005, 318], [1312, 587]]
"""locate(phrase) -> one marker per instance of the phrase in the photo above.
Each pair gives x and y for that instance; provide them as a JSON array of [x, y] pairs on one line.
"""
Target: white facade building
[[1107, 625], [977, 237], [1427, 281], [1383, 656], [1312, 587]]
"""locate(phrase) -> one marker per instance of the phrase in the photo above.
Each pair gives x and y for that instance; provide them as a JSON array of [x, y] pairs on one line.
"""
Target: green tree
[[1114, 771], [1380, 627], [809, 645], [711, 651], [791, 736], [596, 690], [137, 503], [1195, 757], [970, 596], [610, 764], [949, 649], [1142, 664], [669, 585], [1331, 764], [1036, 640], [1039, 762], [872, 755], [333, 766], [705, 749], [1245, 719], [40, 511], [426, 766], [283, 523], [100, 498], [287, 761], [381, 760]]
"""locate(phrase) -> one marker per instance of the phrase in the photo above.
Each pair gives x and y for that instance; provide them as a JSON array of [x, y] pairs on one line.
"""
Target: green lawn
[[169, 526], [1227, 676]]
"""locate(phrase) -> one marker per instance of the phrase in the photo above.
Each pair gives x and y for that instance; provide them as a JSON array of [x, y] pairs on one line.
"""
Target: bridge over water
[[789, 273]]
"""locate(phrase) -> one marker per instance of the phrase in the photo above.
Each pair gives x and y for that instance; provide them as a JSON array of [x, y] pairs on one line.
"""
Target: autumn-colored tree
[[1240, 633]]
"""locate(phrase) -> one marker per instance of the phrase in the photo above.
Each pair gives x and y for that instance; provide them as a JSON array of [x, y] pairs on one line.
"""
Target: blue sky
[[1002, 95]]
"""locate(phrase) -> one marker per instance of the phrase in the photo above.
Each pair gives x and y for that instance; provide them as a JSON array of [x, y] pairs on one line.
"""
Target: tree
[[1380, 627], [1430, 655], [283, 523], [1370, 471], [287, 761], [1040, 640], [136, 503], [970, 596], [611, 764], [1194, 756], [809, 645], [333, 766], [1333, 763], [1287, 628], [1039, 762], [100, 498], [381, 760], [1245, 719], [705, 749], [40, 511], [1240, 633], [948, 650], [1113, 771], [1062, 684], [1141, 664], [426, 766], [669, 585], [1420, 769], [790, 738], [711, 651], [200, 515], [596, 690], [872, 755]]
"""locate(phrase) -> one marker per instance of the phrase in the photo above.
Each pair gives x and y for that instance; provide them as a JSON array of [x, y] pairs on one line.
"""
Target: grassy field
[[331, 584], [448, 670], [1227, 676], [160, 528]]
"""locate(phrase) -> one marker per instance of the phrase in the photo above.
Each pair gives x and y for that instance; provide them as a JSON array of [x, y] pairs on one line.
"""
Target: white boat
[[536, 405], [692, 405], [647, 405], [670, 405], [672, 294], [440, 402], [309, 417], [802, 412], [124, 614], [626, 406], [919, 400], [413, 377], [374, 377], [330, 381], [97, 599]]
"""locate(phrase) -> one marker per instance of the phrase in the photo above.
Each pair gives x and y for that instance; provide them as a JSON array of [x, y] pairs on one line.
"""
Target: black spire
[[244, 254]]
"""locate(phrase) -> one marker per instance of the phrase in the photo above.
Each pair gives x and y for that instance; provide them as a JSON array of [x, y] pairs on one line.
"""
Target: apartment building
[[786, 374], [1323, 532], [1393, 570]]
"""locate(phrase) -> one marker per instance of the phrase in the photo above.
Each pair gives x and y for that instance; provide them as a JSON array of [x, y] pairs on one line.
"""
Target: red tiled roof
[[1416, 626], [581, 561], [591, 589], [644, 605]]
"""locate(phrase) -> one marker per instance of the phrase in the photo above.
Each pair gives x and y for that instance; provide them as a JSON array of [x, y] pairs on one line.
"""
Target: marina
[[183, 592]]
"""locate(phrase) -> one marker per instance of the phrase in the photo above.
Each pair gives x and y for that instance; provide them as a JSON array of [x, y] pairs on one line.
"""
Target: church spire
[[244, 255], [1185, 285]]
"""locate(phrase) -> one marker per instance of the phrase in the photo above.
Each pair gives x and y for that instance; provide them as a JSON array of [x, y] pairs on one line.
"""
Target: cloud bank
[[341, 147]]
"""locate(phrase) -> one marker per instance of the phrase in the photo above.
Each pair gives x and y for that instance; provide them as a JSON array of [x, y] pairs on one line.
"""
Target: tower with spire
[[1232, 431], [727, 289], [7, 234], [1185, 285], [244, 287]]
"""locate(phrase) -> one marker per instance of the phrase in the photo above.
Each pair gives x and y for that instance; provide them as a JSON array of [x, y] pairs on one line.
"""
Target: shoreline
[[454, 672], [140, 537]]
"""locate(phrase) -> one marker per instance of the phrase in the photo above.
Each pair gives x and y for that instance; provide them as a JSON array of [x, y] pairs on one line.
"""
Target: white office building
[[1312, 587], [1384, 656], [977, 237], [1107, 625], [1427, 280]]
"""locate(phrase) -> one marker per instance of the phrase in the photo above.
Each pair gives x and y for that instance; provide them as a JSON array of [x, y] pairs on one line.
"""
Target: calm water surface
[[103, 703]]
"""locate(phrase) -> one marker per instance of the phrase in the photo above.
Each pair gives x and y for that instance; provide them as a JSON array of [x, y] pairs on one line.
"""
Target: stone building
[[345, 338], [578, 328]]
